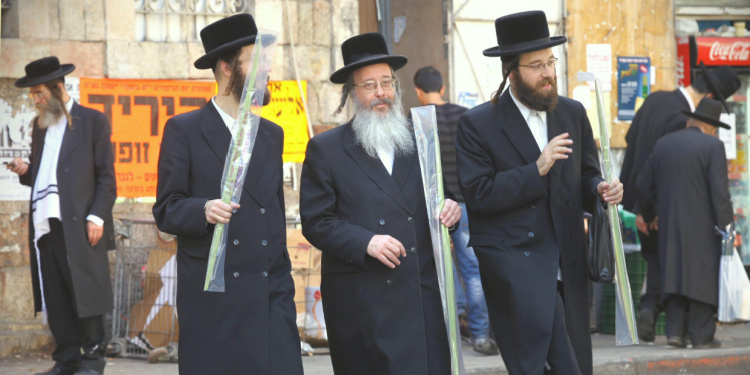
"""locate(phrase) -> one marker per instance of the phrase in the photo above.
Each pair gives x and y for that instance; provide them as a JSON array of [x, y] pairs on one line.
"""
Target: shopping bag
[[734, 289], [601, 255]]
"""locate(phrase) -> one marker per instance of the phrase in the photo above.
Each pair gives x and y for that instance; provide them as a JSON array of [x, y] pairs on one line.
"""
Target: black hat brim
[[519, 48], [711, 80], [395, 61], [208, 60], [64, 70], [706, 119]]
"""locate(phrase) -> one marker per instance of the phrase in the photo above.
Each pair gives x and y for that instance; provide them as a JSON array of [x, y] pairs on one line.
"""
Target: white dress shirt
[[536, 121]]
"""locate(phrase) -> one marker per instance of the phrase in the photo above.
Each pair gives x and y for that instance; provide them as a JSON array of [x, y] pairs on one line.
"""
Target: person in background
[[73, 189], [428, 83], [683, 191]]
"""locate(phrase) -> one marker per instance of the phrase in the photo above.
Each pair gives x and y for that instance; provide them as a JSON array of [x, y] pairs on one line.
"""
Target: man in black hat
[[362, 203], [661, 114], [72, 179], [528, 168], [251, 327], [686, 176]]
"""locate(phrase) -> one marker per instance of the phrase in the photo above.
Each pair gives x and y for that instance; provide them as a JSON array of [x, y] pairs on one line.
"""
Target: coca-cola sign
[[723, 51]]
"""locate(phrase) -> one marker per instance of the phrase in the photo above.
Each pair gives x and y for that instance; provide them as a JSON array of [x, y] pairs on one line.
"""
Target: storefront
[[714, 46]]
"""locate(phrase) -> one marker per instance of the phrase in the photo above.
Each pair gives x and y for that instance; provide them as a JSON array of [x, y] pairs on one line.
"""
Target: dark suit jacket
[[660, 114], [524, 226], [687, 174], [86, 185], [250, 328], [379, 320]]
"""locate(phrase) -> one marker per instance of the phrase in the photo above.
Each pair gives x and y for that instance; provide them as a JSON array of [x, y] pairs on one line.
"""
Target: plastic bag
[[734, 286], [601, 254]]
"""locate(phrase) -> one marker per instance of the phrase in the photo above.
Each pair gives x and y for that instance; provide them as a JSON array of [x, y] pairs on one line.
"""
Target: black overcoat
[[660, 114], [688, 174], [380, 321], [86, 186], [250, 328], [524, 226]]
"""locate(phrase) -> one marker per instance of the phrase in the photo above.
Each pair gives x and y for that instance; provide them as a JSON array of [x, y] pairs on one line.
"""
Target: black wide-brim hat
[[225, 35], [44, 70], [708, 111], [723, 82], [522, 32], [363, 50]]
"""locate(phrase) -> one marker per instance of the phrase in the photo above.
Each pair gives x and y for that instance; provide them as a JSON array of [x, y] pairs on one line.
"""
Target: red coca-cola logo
[[736, 51], [723, 51]]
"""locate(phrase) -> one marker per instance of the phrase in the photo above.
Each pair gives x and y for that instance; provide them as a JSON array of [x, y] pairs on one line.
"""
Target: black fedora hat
[[363, 50], [723, 82], [225, 35], [44, 70], [522, 32], [708, 111]]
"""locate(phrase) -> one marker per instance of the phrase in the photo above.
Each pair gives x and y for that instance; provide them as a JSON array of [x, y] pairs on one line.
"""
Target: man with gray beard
[[72, 179], [362, 203]]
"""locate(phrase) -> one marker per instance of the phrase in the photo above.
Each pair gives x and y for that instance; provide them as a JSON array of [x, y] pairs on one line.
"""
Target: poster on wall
[[599, 62], [287, 110], [633, 85]]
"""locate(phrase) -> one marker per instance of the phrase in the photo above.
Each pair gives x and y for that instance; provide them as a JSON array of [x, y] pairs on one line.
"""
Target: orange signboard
[[138, 111]]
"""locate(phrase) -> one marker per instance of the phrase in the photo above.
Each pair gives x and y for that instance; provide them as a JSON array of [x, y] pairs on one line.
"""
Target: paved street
[[733, 358]]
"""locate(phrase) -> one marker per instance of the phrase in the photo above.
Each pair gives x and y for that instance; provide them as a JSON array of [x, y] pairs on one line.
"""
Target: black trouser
[[650, 252], [70, 332], [561, 359], [694, 316]]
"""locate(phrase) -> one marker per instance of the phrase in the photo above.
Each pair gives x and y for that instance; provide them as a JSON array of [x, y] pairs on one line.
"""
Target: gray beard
[[374, 131], [51, 113]]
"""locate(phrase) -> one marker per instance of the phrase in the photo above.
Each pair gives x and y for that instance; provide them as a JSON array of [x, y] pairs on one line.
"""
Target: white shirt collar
[[689, 99], [526, 111], [228, 120]]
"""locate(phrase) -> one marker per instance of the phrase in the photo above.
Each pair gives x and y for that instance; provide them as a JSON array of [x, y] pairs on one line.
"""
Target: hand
[[219, 212], [641, 224], [94, 231], [654, 225], [451, 213], [611, 192], [555, 149], [18, 166], [386, 249]]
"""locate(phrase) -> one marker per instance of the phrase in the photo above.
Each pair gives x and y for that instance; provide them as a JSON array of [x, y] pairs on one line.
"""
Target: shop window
[[181, 20]]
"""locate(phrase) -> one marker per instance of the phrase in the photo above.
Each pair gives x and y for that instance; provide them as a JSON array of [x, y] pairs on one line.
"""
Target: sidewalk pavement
[[658, 358]]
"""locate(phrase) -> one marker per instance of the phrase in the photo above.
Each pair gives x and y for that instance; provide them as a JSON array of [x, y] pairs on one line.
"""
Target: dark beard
[[237, 83], [51, 113], [535, 100]]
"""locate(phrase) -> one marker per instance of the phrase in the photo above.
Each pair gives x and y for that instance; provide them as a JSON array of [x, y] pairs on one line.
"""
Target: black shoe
[[646, 325], [677, 342], [56, 370], [92, 367], [713, 344]]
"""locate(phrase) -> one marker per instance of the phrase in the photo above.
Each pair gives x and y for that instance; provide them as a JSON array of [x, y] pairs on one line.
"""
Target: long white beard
[[53, 112], [382, 131]]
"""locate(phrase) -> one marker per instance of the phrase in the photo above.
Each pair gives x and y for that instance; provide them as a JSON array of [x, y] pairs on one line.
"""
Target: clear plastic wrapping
[[241, 149], [428, 148]]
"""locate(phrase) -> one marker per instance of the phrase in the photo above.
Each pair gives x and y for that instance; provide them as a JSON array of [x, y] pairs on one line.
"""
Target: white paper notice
[[729, 136], [599, 62]]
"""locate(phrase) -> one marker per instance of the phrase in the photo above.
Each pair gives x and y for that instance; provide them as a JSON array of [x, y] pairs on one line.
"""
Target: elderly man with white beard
[[362, 203]]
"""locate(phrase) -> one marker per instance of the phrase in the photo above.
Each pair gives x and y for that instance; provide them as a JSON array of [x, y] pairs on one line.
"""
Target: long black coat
[[250, 328], [86, 185], [660, 114], [380, 321], [524, 226], [688, 174]]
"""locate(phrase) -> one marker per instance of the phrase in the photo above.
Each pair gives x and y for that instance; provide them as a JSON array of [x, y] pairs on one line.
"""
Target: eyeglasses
[[37, 95], [371, 86], [538, 68]]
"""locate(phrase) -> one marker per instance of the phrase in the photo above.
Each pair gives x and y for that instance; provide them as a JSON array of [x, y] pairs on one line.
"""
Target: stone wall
[[98, 36]]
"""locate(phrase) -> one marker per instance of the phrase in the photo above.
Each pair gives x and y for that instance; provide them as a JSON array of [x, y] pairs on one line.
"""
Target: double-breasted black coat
[[250, 328], [523, 226], [687, 176], [380, 321], [660, 114], [86, 186]]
